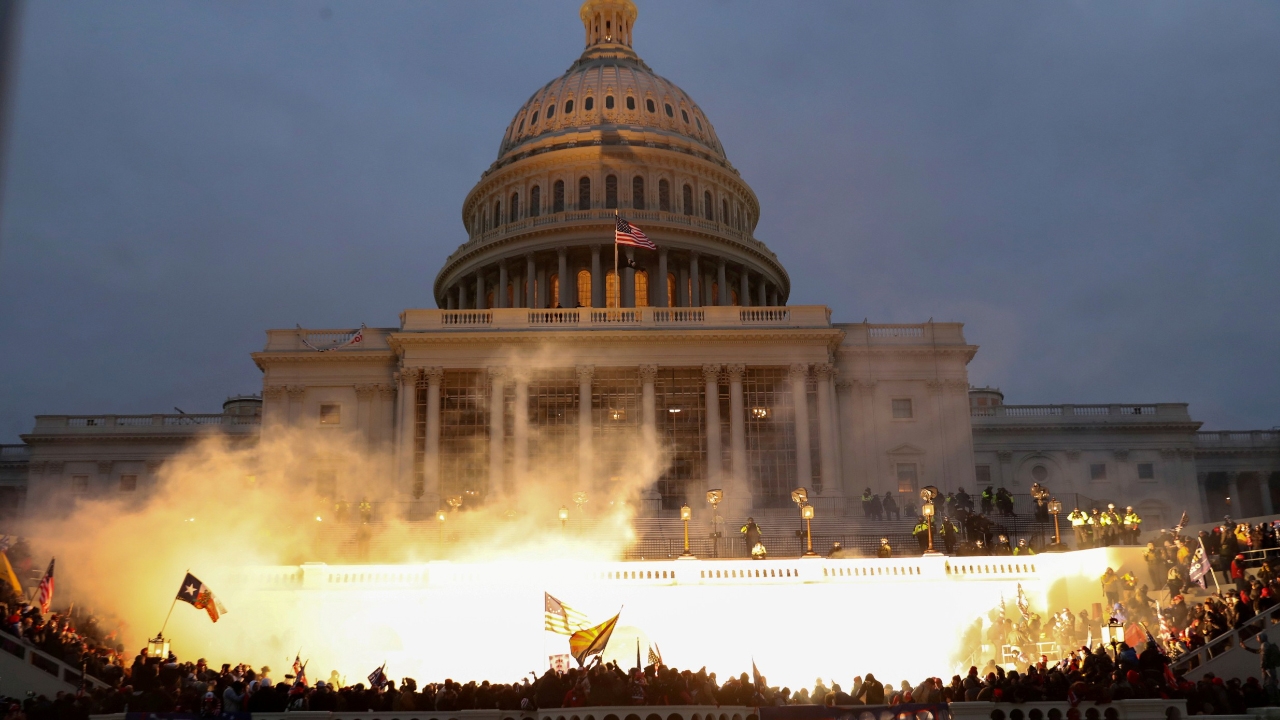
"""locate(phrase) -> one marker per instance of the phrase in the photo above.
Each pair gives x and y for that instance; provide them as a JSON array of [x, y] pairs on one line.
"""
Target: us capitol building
[[536, 351]]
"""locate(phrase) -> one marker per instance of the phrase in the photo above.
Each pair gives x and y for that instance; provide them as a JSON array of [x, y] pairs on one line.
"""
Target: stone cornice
[[968, 351], [266, 357], [51, 439]]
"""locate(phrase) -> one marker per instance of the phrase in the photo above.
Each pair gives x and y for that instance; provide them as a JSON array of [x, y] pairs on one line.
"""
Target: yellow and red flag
[[591, 641]]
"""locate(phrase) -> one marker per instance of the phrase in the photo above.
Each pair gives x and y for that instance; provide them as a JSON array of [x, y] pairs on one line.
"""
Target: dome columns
[[608, 21]]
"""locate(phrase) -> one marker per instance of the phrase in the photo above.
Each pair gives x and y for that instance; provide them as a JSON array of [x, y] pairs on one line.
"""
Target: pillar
[[741, 478], [773, 297], [480, 303], [406, 427], [520, 429], [628, 279], [800, 402], [497, 458], [744, 287], [1202, 480], [544, 292], [450, 301], [1233, 490], [695, 280], [585, 374], [1264, 489], [500, 294], [530, 286], [648, 408], [762, 297], [597, 279], [715, 456], [826, 427], [462, 295], [661, 288], [722, 283], [682, 286], [566, 284], [431, 461]]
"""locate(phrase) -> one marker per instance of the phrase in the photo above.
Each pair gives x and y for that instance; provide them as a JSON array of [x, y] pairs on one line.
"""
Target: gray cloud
[[1092, 188]]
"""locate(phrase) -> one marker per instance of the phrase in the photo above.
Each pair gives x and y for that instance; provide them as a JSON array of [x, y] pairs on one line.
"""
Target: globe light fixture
[[806, 512]]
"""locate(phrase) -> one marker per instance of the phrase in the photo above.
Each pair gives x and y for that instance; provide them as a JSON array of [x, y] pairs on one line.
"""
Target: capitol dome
[[610, 137]]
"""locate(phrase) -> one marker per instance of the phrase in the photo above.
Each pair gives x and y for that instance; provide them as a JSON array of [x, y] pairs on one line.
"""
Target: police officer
[[884, 550], [1110, 525], [751, 534], [949, 535], [1132, 526], [921, 533], [866, 503], [1095, 528], [1023, 548], [1080, 525], [987, 498]]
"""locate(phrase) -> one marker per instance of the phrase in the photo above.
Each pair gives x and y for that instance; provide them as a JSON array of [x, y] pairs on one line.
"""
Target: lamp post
[[806, 512], [685, 515], [713, 499], [927, 494], [800, 496], [158, 647], [1055, 508], [564, 517]]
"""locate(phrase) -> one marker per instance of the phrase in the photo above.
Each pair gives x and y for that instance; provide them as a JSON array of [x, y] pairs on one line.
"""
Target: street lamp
[[685, 515], [927, 494], [800, 496], [1055, 507], [714, 497], [564, 516], [158, 647], [806, 512]]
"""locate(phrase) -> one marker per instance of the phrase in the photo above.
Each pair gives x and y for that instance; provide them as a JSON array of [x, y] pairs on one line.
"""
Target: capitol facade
[[542, 346]]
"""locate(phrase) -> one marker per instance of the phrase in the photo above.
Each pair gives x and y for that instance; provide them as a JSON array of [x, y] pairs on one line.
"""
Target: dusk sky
[[1092, 188]]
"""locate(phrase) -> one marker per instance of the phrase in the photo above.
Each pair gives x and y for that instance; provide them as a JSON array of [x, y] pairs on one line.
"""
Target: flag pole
[[172, 605], [1212, 572], [617, 279]]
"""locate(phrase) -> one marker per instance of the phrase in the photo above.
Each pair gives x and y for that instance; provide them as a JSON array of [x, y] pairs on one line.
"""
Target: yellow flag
[[591, 641], [9, 575]]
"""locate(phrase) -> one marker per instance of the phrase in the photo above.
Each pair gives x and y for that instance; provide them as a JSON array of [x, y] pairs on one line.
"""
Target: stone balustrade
[[1110, 412], [80, 424]]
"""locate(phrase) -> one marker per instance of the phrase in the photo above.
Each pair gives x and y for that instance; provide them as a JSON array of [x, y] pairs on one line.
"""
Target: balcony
[[1238, 439], [1074, 414], [646, 318]]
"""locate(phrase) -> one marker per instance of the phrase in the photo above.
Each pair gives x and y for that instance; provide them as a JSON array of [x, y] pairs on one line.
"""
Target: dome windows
[[688, 199], [648, 104], [664, 195], [584, 193], [521, 128], [534, 121], [589, 104], [631, 103], [497, 213], [557, 197], [707, 212], [535, 201], [611, 191], [698, 120], [670, 113], [568, 107], [637, 192], [608, 102], [685, 114], [514, 212], [551, 111]]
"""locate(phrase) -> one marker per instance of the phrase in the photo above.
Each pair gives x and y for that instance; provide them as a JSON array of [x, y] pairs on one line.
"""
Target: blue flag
[[1199, 568]]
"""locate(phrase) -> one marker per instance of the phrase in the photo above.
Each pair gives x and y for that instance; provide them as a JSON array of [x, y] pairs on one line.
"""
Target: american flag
[[655, 655], [45, 589], [628, 234], [560, 618]]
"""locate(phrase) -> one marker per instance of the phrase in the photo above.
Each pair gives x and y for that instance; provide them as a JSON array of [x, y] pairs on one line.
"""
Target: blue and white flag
[[1199, 568]]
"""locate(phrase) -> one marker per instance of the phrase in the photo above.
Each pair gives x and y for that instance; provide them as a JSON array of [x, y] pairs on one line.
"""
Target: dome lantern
[[608, 21]]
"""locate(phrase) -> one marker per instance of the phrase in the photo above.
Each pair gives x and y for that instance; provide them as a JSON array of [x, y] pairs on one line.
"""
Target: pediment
[[905, 449]]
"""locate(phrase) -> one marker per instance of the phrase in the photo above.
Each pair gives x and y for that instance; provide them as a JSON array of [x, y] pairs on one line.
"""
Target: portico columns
[[597, 279], [744, 287], [826, 427], [562, 272], [431, 461], [648, 407], [695, 281], [741, 479], [762, 298], [520, 429], [1233, 491], [585, 374], [715, 455], [408, 410], [500, 294], [660, 289], [480, 304], [800, 402], [497, 388], [722, 284], [462, 295], [1264, 490], [529, 284]]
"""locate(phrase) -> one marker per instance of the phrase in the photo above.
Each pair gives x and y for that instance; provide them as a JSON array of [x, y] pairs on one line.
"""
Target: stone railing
[[904, 334], [13, 453], [625, 712], [1117, 710], [803, 316], [1238, 439], [1160, 410], [144, 423]]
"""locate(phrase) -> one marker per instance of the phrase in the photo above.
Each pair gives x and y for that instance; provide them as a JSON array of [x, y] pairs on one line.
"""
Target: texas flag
[[200, 596]]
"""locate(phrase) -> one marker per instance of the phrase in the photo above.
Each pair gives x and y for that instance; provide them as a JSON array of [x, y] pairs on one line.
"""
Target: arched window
[[584, 193], [534, 121], [557, 197], [648, 105], [589, 103], [514, 212], [685, 114], [664, 195], [637, 192], [497, 213], [631, 103], [555, 290], [668, 109], [608, 102], [707, 212], [610, 289], [688, 200], [568, 107], [521, 128], [698, 120], [535, 201], [642, 288], [584, 288], [551, 111], [724, 211], [671, 290], [611, 191]]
